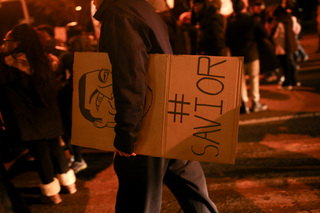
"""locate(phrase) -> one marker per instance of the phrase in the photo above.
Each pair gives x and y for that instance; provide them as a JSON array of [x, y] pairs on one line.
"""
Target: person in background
[[318, 24], [30, 110], [47, 37], [175, 32], [62, 61], [188, 32], [285, 46], [300, 55], [130, 32], [210, 25], [77, 42], [180, 6], [259, 11], [242, 33], [269, 63]]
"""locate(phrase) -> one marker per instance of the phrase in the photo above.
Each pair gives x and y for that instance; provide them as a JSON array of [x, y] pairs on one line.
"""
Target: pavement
[[277, 165]]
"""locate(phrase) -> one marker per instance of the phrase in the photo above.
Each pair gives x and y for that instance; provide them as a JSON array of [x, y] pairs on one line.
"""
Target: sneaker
[[71, 160], [271, 78], [306, 58], [79, 166], [281, 80], [286, 87], [244, 109], [257, 107]]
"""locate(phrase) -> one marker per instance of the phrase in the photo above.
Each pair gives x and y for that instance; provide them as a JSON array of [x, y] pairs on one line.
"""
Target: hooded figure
[[211, 28], [238, 6]]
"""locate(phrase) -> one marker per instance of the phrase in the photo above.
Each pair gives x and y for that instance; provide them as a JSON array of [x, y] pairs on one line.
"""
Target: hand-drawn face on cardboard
[[96, 100]]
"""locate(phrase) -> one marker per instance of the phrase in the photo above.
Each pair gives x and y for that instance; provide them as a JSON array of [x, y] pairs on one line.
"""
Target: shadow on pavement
[[97, 162], [302, 126]]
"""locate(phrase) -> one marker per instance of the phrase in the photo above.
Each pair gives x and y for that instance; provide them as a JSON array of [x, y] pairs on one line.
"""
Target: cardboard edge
[[165, 110], [237, 102], [77, 57], [74, 83]]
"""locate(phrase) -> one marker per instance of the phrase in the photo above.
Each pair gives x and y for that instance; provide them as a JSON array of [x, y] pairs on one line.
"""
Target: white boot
[[51, 192], [67, 181]]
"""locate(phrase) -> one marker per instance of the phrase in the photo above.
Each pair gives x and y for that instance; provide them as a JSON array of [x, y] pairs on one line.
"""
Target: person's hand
[[123, 154]]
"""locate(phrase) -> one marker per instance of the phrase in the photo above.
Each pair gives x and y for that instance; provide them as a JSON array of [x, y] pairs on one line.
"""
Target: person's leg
[[65, 175], [76, 161], [293, 70], [79, 163], [187, 182], [77, 153], [65, 105], [254, 78], [283, 65], [41, 152], [301, 52], [140, 183], [253, 70], [244, 109], [244, 91], [50, 186], [285, 62], [58, 156], [67, 140]]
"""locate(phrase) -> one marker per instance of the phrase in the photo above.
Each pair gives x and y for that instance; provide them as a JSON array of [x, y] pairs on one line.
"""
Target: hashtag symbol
[[178, 112]]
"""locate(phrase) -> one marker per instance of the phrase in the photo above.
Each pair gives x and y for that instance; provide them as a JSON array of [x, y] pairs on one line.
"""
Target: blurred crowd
[[36, 73], [266, 36]]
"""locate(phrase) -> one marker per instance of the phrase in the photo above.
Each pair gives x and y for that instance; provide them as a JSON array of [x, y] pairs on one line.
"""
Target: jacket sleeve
[[7, 74], [260, 31], [127, 42]]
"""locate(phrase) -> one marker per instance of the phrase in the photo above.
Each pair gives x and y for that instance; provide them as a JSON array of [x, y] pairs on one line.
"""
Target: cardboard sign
[[192, 108]]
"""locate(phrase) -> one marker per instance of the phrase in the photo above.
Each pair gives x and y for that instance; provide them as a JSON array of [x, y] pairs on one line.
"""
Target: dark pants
[[141, 179], [289, 69], [65, 104], [50, 158]]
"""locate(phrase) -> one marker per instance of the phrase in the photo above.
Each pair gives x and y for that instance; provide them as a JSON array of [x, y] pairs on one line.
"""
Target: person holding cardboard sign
[[130, 32]]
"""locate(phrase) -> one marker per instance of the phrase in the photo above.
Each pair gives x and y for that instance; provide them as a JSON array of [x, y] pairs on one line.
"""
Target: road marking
[[278, 118]]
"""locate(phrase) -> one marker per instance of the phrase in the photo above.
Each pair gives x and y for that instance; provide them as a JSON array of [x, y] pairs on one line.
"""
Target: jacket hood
[[207, 11], [102, 9]]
